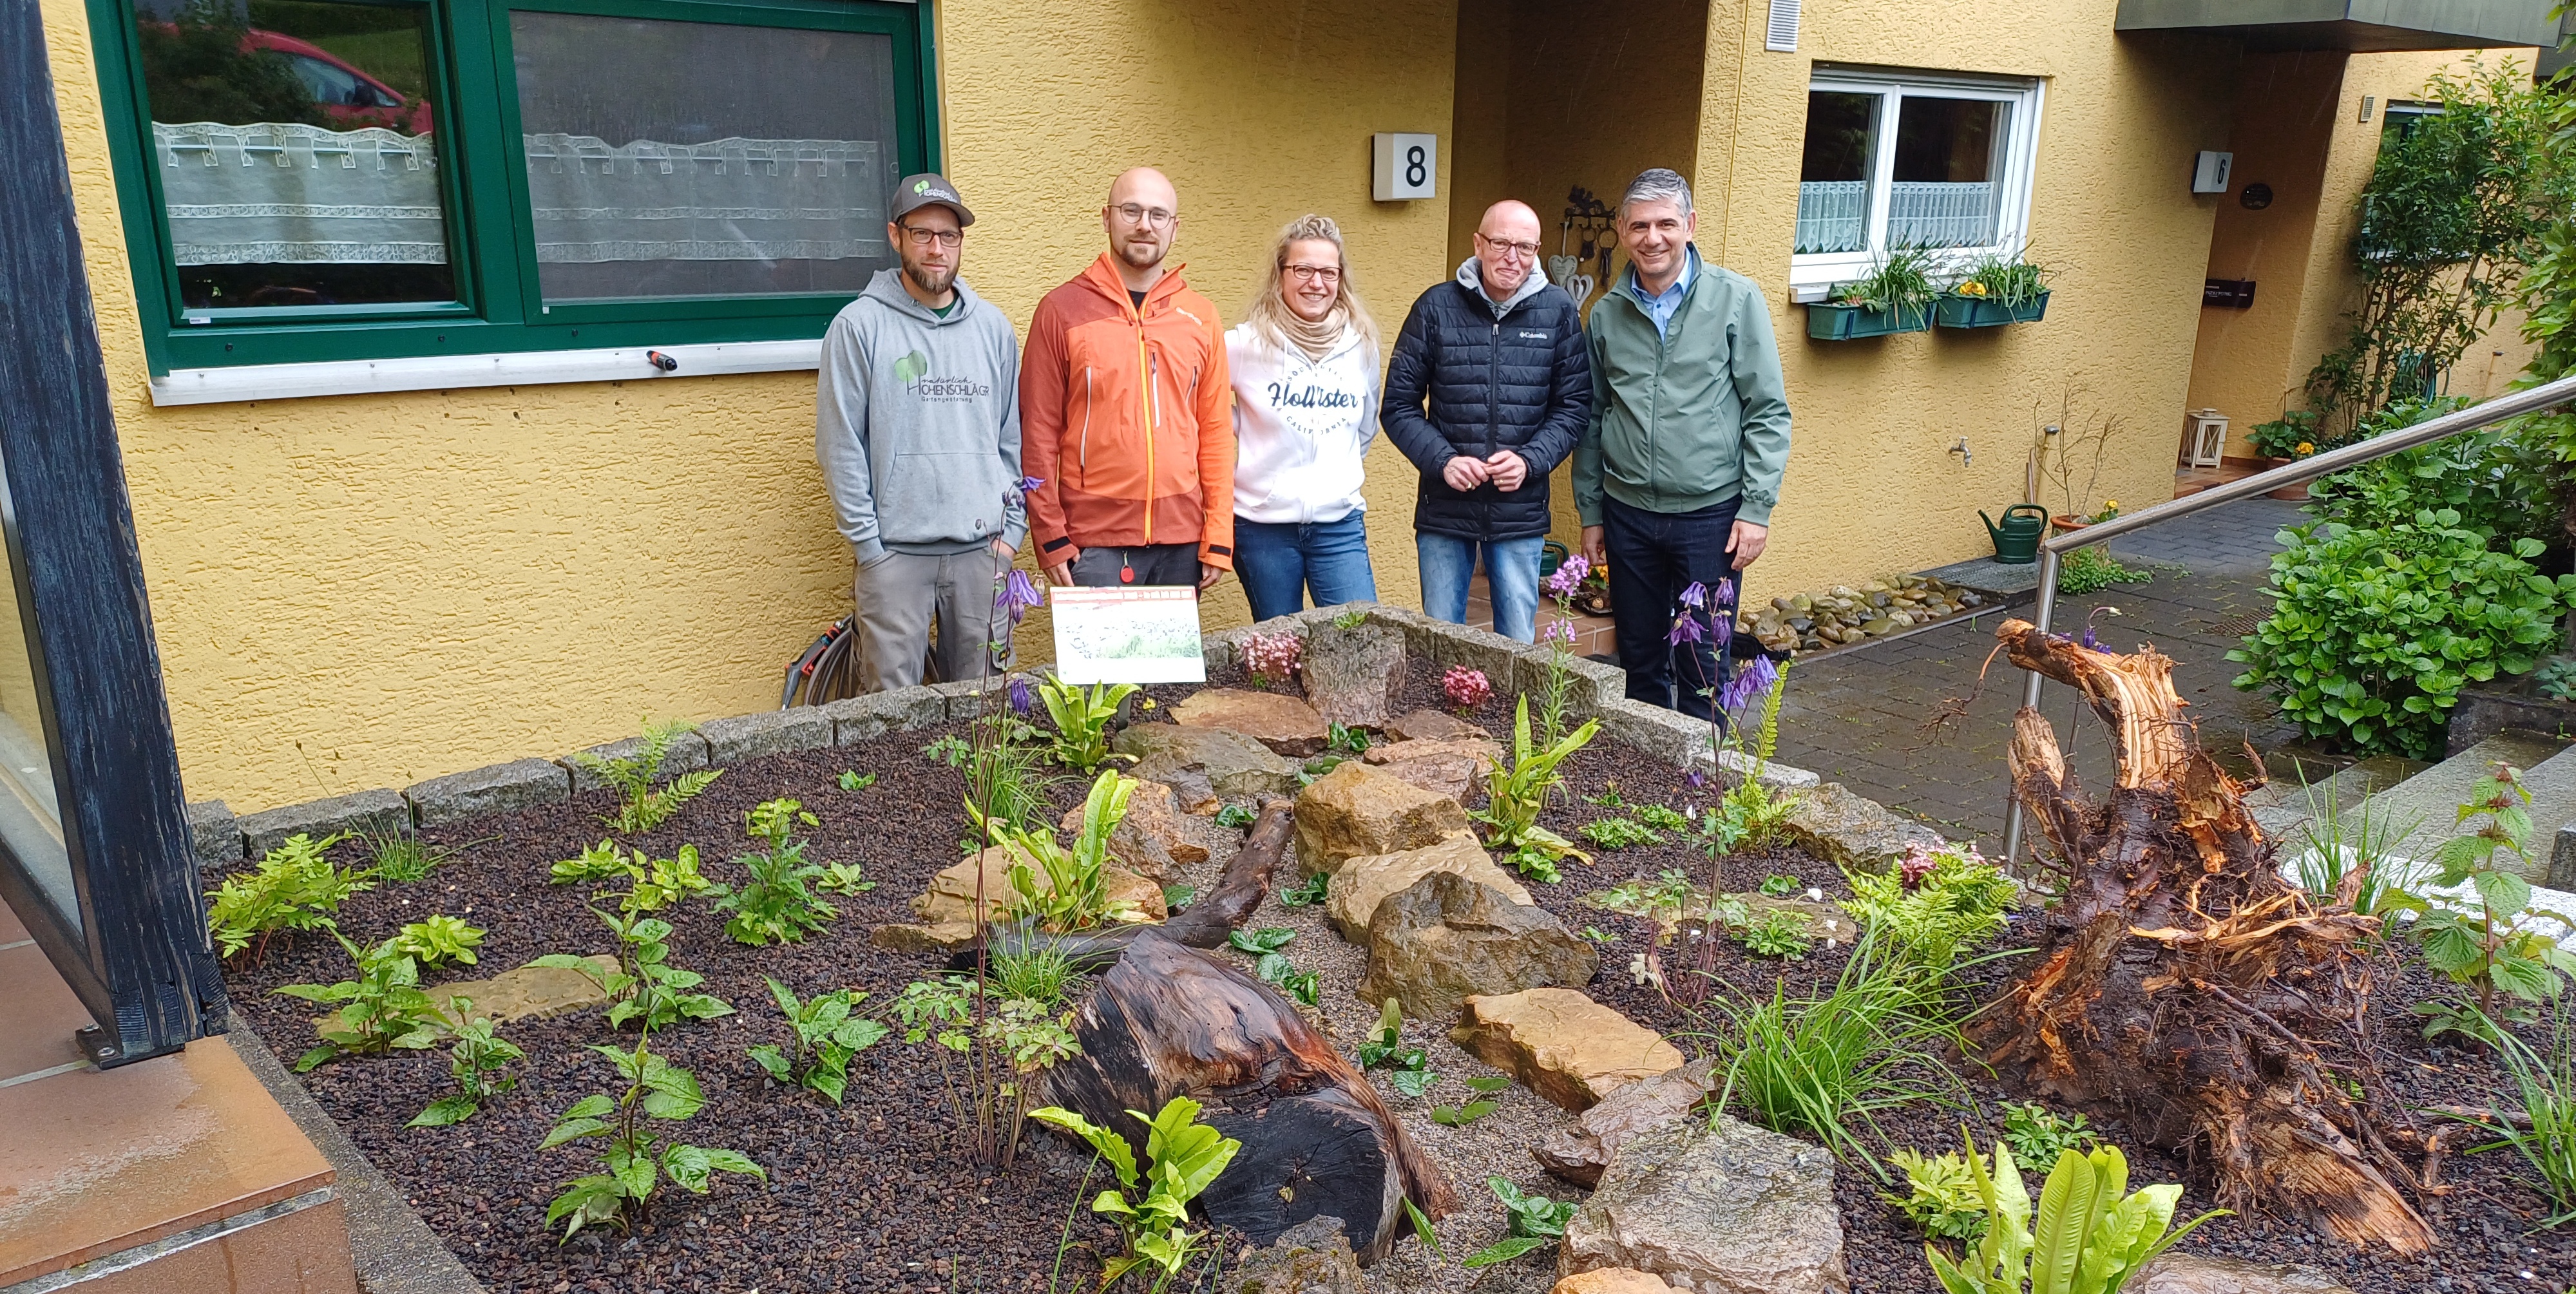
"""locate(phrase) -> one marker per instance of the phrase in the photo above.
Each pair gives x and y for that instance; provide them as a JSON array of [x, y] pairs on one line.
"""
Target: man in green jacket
[[1676, 476]]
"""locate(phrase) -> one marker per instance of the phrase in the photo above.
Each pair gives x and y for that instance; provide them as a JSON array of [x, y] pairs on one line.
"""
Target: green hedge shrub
[[2375, 630]]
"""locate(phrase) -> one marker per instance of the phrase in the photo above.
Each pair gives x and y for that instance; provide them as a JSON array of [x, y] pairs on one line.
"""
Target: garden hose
[[826, 671]]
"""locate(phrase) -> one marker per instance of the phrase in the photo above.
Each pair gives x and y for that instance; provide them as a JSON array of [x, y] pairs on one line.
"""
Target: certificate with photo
[[1128, 634]]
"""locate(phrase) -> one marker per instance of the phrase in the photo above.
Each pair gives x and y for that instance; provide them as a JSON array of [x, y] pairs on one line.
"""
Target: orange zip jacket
[[1124, 418]]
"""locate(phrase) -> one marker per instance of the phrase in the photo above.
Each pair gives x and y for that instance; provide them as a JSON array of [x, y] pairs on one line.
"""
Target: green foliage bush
[[1515, 796], [635, 1159], [644, 985], [382, 1010], [1941, 1196], [294, 888], [2375, 631], [777, 905], [1075, 894], [1934, 904], [2502, 481], [1184, 1158], [437, 940], [480, 1062], [2089, 1236], [640, 805], [825, 1032], [1533, 1222]]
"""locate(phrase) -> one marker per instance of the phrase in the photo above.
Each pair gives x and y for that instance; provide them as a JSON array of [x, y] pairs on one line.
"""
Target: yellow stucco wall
[[1869, 486], [365, 591]]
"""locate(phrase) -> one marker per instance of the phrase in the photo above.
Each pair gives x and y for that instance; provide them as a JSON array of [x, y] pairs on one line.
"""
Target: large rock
[[1151, 840], [1432, 725], [1356, 810], [2193, 1274], [1723, 1209], [1352, 899], [1562, 1045], [1353, 676], [1852, 831], [526, 993], [1312, 1257], [1283, 723], [947, 907], [1580, 1151], [1446, 938], [1612, 1280], [1451, 766], [1232, 763], [1192, 792]]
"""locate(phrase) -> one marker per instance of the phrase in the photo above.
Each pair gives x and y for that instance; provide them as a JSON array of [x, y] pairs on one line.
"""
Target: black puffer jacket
[[1469, 378]]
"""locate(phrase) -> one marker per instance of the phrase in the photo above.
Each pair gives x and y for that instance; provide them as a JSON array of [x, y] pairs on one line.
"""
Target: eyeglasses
[[1150, 217], [923, 238], [1313, 273], [1517, 251]]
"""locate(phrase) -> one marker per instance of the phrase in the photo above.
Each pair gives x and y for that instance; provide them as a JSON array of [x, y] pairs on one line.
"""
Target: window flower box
[[1827, 322], [1986, 312]]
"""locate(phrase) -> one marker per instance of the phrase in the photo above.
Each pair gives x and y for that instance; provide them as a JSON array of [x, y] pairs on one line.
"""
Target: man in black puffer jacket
[[1488, 391]]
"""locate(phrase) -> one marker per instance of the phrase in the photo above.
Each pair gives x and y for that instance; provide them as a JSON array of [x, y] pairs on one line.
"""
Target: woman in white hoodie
[[1306, 388]]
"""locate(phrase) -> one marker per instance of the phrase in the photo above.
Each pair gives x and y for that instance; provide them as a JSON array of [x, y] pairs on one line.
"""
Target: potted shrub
[[1998, 290], [1896, 297], [2286, 439], [2068, 523]]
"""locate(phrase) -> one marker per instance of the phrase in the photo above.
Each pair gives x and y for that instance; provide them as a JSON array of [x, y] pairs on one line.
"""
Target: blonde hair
[[1270, 315]]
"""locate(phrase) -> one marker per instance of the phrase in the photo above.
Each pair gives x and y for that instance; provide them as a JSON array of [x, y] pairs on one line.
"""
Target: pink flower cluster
[[1272, 658], [1466, 688]]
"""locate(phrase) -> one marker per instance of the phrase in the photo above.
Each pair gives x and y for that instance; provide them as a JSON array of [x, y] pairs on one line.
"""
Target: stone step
[[2285, 805], [2426, 806]]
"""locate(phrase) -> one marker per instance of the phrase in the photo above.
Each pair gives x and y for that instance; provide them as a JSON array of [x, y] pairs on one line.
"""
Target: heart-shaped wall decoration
[[1579, 287], [1560, 270]]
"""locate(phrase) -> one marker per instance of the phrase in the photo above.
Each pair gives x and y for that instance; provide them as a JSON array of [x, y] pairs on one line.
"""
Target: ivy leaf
[[444, 1111]]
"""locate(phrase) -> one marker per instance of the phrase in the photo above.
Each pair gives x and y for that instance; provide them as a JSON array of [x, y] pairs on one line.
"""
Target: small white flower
[[1815, 895]]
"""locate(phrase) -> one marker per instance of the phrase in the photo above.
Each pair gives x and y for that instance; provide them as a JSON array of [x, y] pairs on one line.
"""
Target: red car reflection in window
[[348, 96]]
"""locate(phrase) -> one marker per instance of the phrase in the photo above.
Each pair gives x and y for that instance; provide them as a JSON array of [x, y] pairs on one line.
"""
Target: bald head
[[1148, 187], [1142, 214], [1506, 247]]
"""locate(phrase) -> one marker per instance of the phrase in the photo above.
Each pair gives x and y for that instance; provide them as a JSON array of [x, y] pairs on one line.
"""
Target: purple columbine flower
[[1020, 696], [1029, 484], [1695, 779], [1753, 682], [1014, 595], [1686, 627], [1696, 596], [2090, 642]]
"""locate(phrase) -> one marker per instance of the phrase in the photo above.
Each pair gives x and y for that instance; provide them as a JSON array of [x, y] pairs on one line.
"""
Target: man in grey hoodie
[[917, 427]]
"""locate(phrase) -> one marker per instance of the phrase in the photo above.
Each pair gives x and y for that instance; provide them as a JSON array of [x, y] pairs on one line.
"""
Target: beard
[[1143, 256], [932, 281]]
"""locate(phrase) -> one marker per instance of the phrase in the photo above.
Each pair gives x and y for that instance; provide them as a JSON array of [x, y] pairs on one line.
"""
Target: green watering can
[[2017, 539]]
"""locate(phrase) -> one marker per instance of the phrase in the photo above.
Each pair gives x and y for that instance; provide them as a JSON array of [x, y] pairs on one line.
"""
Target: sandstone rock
[[904, 937], [1612, 1280], [2193, 1274], [1353, 676], [1192, 792], [1363, 883], [1715, 1210], [1432, 725], [1283, 723], [1232, 763], [1562, 1045], [1357, 809], [1151, 840], [1579, 1152], [1312, 1257], [527, 993], [1449, 767], [951, 896], [1854, 832], [1445, 938]]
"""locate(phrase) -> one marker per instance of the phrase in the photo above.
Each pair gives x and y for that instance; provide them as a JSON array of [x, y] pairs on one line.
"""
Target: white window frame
[[1812, 274]]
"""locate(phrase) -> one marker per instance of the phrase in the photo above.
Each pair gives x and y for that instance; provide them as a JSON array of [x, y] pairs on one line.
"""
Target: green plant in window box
[[1896, 297], [1996, 290]]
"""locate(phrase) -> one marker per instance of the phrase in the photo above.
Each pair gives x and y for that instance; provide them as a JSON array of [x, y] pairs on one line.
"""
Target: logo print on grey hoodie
[[913, 370]]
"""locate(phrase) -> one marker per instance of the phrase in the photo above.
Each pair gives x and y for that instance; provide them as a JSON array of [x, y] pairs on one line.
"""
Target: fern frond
[[653, 808]]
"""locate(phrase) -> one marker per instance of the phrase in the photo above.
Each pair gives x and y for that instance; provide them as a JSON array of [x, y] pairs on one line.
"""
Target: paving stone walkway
[[1859, 716]]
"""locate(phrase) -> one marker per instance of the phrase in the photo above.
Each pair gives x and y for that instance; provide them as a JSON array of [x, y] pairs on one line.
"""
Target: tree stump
[[2182, 985], [1169, 1020]]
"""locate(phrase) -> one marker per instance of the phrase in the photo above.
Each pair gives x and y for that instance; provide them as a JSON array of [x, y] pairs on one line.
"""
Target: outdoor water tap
[[1966, 459]]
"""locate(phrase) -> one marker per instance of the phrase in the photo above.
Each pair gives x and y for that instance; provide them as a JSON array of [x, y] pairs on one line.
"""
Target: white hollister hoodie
[[1300, 426]]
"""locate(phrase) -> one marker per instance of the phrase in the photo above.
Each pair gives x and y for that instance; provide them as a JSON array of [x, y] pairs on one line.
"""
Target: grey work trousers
[[900, 595]]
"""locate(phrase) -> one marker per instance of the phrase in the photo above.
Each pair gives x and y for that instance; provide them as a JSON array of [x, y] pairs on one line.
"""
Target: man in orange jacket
[[1124, 411]]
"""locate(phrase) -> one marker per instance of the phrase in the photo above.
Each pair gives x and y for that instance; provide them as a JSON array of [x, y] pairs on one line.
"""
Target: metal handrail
[[2051, 550]]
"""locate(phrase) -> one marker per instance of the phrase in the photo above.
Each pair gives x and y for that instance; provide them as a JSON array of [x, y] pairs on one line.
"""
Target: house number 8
[[1415, 172]]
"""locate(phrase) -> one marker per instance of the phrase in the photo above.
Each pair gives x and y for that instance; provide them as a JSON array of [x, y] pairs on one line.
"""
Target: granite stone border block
[[381, 811], [864, 718], [215, 833], [769, 732], [1668, 735], [687, 751], [519, 784]]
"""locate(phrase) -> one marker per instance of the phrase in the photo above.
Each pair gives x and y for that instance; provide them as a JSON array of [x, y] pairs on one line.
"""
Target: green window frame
[[484, 183]]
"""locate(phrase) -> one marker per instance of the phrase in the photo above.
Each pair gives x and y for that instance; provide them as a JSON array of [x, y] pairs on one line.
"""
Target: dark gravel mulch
[[868, 1196]]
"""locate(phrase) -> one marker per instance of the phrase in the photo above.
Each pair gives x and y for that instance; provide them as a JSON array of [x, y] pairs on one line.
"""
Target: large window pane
[[1833, 180], [295, 142], [1947, 191], [700, 159], [31, 819]]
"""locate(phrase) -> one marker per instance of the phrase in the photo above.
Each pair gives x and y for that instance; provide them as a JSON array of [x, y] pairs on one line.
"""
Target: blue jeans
[[1280, 562], [1511, 573], [1653, 556]]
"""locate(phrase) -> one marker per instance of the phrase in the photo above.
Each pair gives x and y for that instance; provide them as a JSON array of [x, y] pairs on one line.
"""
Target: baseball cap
[[914, 192]]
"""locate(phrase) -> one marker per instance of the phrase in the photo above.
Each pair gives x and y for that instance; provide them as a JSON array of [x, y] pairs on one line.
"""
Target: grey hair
[[1655, 184]]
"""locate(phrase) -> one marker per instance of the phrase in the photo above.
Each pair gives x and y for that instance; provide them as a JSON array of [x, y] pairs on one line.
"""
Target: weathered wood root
[[2181, 984], [1203, 924]]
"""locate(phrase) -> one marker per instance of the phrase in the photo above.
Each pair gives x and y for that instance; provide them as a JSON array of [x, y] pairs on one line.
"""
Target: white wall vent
[[1783, 34]]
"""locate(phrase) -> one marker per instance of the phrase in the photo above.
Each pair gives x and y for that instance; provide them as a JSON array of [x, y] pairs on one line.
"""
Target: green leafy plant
[[849, 880], [951, 750], [1407, 1067], [1661, 818], [400, 855], [853, 780], [2491, 942], [641, 806], [1075, 894], [1082, 718], [438, 940], [826, 1031], [599, 862], [777, 905], [1183, 1157], [1309, 892], [2341, 856], [1459, 1116], [1618, 833], [382, 1010], [1941, 1198], [1532, 1222], [633, 1158], [2292, 435], [2091, 1233], [2556, 678], [1515, 796], [1350, 620], [1235, 816], [2374, 632], [1934, 904], [2038, 1135], [1779, 933], [1670, 891], [1177, 897], [1273, 965], [1349, 741], [2544, 1079], [991, 1050], [2091, 570], [1034, 970], [1902, 282], [2008, 280], [2503, 481], [480, 1060], [652, 884], [643, 985], [1778, 886], [293, 888], [1599, 936]]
